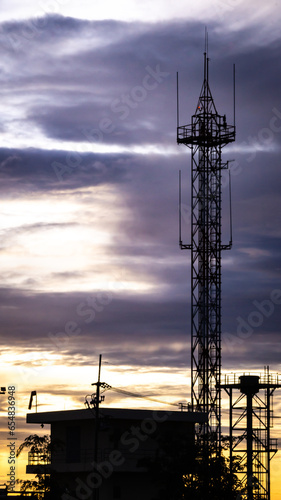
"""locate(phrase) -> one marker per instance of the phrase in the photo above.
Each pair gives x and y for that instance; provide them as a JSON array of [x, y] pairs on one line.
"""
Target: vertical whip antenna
[[230, 208], [234, 95], [177, 99], [180, 240]]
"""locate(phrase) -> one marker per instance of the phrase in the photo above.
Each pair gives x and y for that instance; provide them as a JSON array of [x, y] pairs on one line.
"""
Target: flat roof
[[115, 413]]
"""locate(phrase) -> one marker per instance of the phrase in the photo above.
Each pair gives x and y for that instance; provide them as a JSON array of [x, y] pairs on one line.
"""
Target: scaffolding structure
[[207, 134], [250, 421]]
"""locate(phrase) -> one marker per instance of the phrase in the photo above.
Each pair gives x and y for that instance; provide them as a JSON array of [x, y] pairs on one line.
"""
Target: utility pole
[[97, 400]]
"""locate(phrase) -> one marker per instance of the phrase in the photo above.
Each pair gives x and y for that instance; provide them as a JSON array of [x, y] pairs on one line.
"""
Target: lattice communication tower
[[207, 134]]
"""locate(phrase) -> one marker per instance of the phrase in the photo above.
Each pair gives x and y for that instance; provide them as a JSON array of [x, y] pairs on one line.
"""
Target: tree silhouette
[[180, 471], [45, 485], [214, 478]]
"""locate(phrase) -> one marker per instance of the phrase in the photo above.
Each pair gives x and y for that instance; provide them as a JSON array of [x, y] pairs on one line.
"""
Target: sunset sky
[[90, 261]]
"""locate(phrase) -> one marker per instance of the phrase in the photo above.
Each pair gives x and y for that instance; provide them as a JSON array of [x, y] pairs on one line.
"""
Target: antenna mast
[[207, 134]]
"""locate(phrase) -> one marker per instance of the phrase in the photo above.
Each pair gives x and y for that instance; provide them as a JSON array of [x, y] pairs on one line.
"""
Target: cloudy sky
[[90, 261]]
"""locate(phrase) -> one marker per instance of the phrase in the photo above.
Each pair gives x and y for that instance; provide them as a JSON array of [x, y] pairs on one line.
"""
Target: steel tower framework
[[207, 134], [250, 421]]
